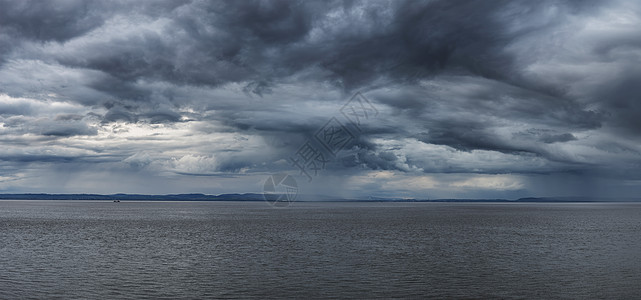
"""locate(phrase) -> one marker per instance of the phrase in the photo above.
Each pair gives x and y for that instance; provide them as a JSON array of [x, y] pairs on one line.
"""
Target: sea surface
[[187, 250]]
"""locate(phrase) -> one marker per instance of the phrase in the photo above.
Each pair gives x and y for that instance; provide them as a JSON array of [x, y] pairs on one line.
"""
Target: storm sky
[[475, 99]]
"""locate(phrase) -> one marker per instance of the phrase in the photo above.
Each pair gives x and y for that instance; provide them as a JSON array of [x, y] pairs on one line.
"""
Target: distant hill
[[301, 198], [579, 199], [174, 197]]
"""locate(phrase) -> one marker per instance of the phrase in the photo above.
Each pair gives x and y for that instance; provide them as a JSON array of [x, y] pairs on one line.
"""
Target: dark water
[[78, 249]]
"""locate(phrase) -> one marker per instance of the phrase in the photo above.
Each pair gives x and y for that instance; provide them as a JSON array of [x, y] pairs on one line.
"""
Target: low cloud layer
[[475, 98]]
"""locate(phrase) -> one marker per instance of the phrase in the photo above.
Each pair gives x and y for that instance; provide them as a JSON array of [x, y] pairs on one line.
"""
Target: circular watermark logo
[[280, 189]]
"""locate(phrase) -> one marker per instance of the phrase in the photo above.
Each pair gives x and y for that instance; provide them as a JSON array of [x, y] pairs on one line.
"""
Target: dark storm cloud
[[49, 20], [547, 136], [622, 100], [61, 20], [260, 42], [68, 129], [211, 43], [462, 86], [466, 136]]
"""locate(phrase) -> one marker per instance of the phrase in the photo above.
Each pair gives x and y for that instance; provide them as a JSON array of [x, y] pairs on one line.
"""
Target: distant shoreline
[[259, 197]]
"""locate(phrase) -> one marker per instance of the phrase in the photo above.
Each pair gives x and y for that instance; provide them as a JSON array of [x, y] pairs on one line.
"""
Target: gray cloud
[[231, 89]]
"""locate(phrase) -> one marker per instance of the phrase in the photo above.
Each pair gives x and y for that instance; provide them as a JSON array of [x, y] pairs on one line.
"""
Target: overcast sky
[[469, 99]]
